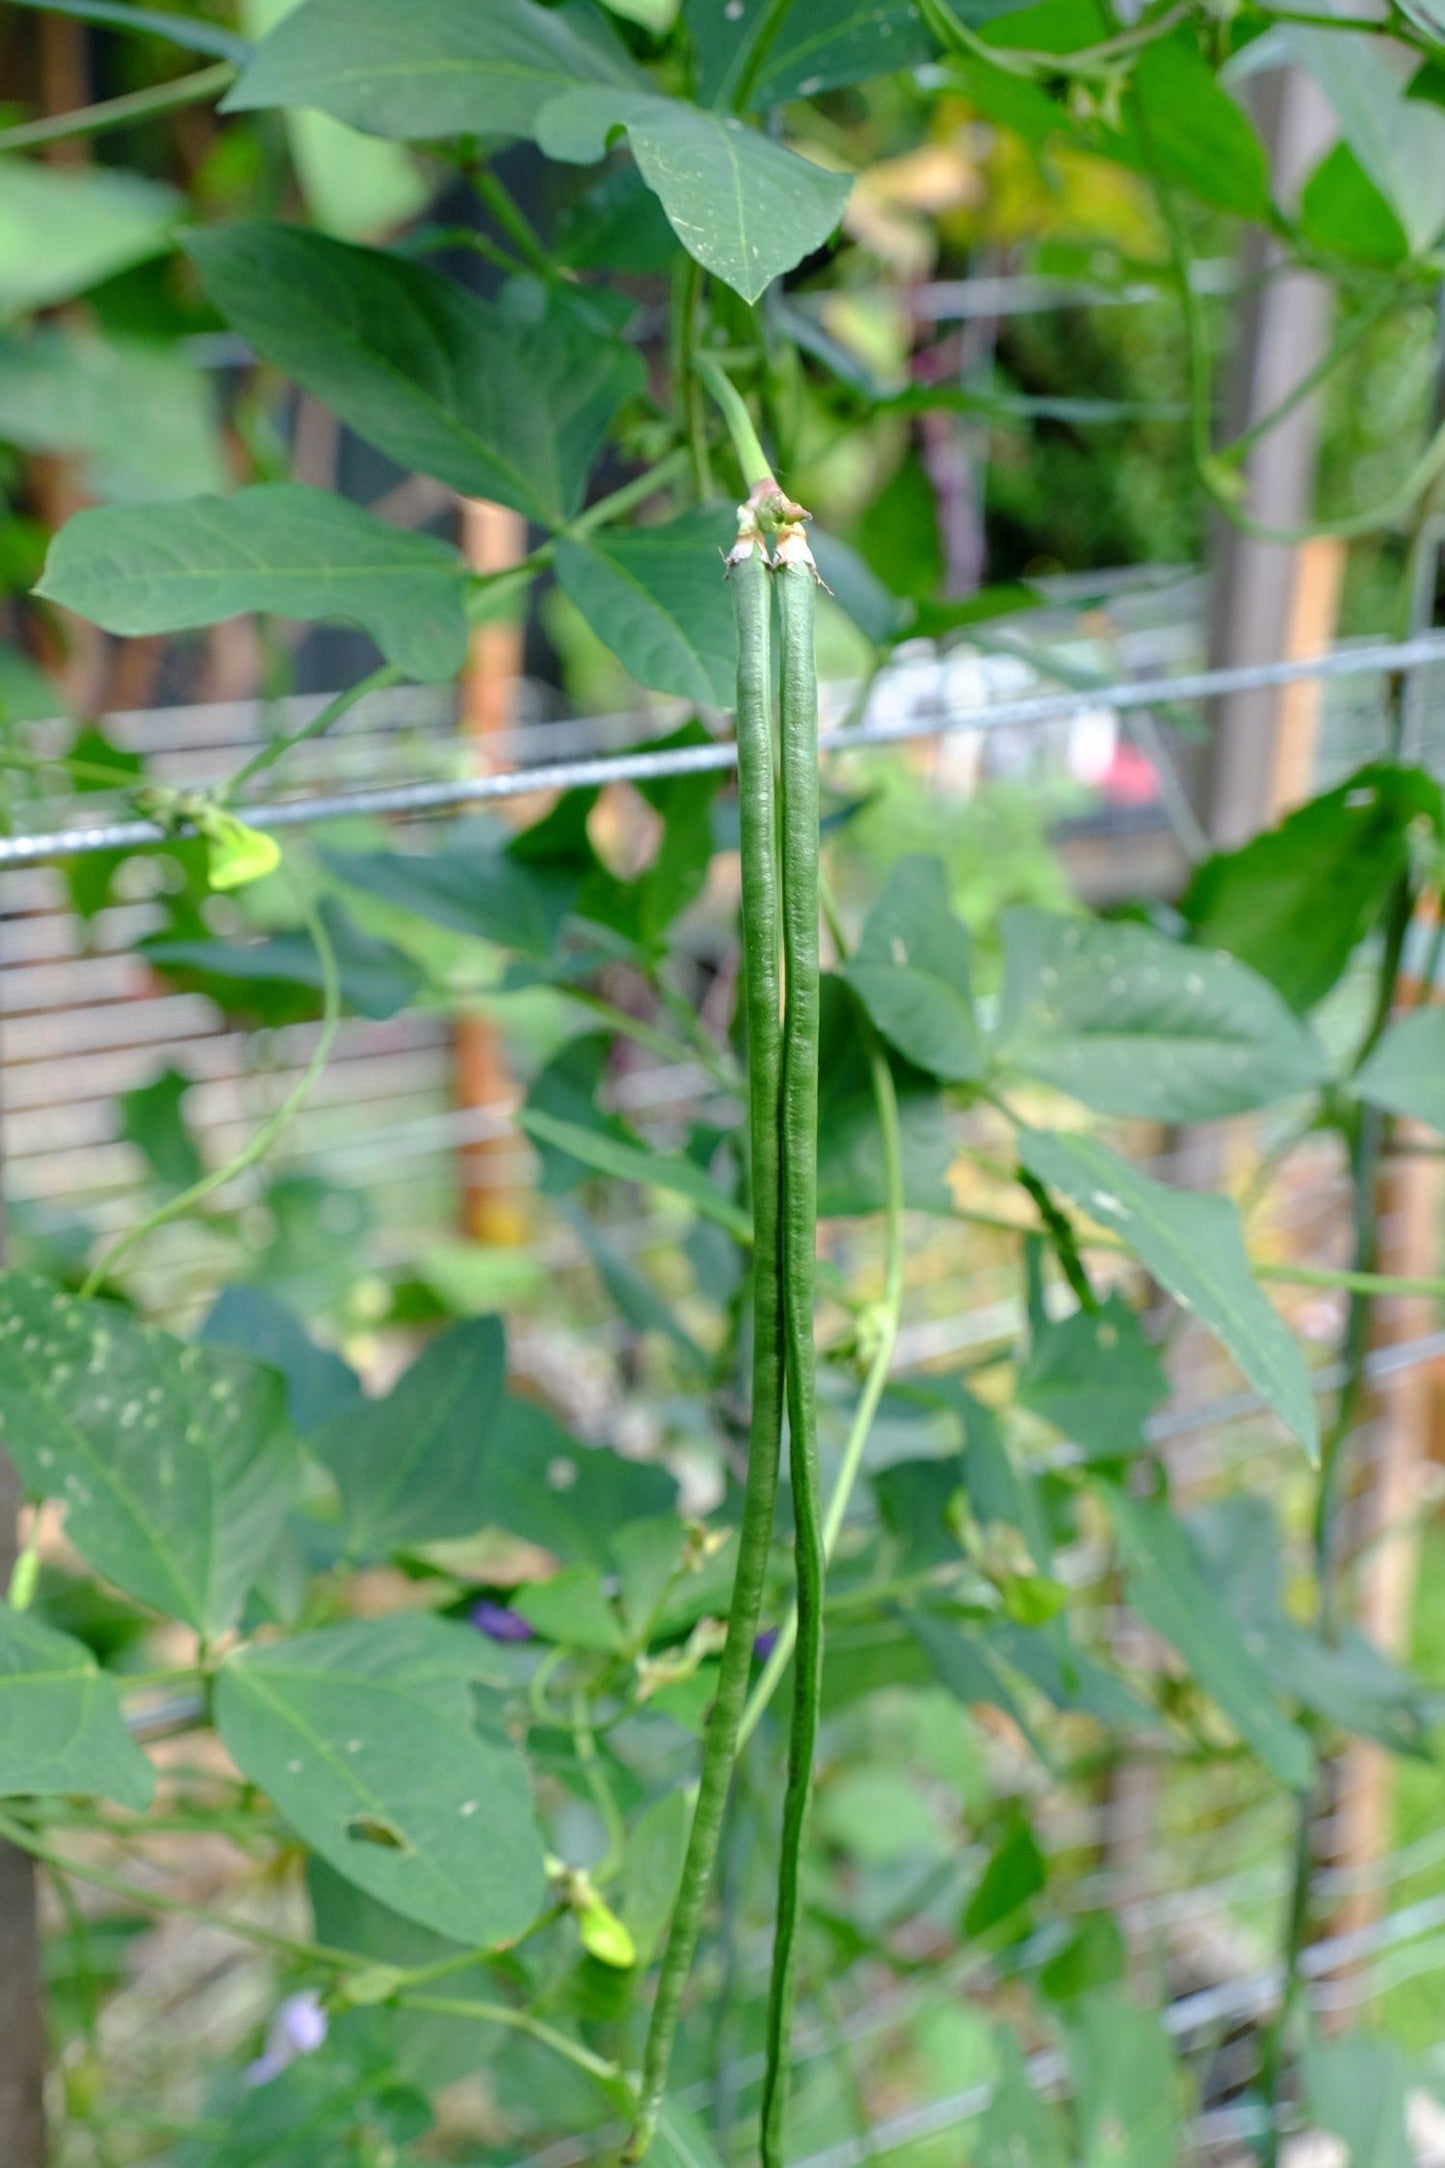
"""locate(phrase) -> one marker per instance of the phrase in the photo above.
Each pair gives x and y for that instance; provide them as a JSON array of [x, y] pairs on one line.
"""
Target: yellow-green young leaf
[[744, 207], [1134, 1024], [60, 1722], [431, 67], [295, 552], [1194, 1246], [910, 970], [175, 1464], [364, 1738], [1406, 1072], [434, 377], [603, 1934], [236, 854]]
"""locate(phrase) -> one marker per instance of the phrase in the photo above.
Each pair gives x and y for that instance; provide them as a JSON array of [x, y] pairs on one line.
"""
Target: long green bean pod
[[762, 1003], [795, 581]]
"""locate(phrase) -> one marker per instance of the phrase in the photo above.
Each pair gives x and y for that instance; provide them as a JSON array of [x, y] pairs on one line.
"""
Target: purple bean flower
[[498, 1622], [764, 1643], [298, 2027]]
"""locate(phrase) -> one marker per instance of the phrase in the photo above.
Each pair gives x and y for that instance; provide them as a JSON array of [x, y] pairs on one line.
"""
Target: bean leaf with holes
[[412, 1467], [302, 553], [175, 1464], [910, 970], [61, 1728], [434, 377], [742, 206], [1193, 1245], [1135, 1024], [363, 1736]]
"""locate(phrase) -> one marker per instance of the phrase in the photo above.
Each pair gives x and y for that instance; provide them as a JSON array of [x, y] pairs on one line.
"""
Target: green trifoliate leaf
[[1194, 1247], [60, 1723], [64, 228], [294, 552], [821, 45], [1297, 901], [1169, 1589], [744, 207], [1406, 1072], [1359, 2090], [654, 596], [1134, 1024], [1096, 1378], [175, 1464], [431, 68], [434, 377], [363, 1736], [413, 1467], [911, 972]]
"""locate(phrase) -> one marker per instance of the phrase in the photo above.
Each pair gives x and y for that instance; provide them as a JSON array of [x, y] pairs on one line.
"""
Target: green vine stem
[[277, 748], [796, 580], [127, 111], [762, 992], [256, 1146]]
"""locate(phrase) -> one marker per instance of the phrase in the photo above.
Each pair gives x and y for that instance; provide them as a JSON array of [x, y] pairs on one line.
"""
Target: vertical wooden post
[[1382, 1535], [22, 2022], [1282, 333], [493, 1208]]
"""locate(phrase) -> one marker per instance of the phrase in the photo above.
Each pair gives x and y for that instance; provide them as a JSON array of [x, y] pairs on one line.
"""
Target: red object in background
[[1129, 778]]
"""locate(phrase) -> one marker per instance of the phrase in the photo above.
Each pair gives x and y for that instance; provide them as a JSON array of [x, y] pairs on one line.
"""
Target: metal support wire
[[434, 797]]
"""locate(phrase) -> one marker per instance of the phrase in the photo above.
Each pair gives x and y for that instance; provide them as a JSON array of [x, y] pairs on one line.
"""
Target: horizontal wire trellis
[[439, 797]]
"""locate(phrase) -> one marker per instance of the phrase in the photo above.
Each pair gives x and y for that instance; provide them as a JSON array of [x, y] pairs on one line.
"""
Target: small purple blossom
[[764, 1643], [498, 1622], [298, 2027]]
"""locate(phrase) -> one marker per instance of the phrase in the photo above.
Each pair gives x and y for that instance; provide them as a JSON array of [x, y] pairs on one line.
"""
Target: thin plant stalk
[[762, 994], [257, 1146]]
